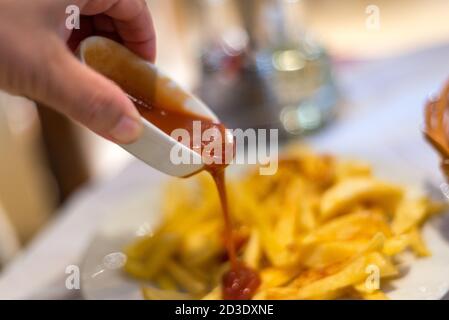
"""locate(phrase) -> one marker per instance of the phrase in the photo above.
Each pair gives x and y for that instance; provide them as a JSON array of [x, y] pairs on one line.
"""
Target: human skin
[[37, 60]]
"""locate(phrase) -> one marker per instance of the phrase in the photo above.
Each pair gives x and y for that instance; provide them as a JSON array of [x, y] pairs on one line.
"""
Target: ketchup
[[240, 282], [169, 120]]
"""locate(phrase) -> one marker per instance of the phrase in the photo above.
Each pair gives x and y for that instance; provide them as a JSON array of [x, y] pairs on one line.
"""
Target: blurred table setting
[[337, 81]]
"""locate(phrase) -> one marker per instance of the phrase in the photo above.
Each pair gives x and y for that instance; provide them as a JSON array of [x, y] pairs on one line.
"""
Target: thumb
[[89, 98]]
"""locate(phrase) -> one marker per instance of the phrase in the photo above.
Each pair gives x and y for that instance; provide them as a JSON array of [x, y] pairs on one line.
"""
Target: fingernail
[[127, 130]]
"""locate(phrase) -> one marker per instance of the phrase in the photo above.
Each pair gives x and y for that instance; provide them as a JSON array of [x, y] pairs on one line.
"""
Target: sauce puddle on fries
[[240, 282]]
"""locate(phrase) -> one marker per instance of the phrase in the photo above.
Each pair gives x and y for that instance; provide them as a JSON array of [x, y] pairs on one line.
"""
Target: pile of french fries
[[318, 229]]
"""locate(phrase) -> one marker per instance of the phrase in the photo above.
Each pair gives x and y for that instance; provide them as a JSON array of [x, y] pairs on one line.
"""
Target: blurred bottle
[[260, 69]]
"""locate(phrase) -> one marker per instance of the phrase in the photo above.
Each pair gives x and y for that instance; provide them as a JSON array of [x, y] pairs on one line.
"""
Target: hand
[[36, 62]]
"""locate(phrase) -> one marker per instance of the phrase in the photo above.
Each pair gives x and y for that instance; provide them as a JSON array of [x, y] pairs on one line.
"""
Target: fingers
[[103, 23], [90, 98], [131, 20], [96, 102], [80, 34], [100, 25], [135, 28]]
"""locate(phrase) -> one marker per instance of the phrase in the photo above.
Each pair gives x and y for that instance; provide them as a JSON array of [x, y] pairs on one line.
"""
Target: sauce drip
[[240, 282]]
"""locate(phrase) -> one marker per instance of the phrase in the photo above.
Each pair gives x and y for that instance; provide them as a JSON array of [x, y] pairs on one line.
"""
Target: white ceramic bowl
[[135, 74]]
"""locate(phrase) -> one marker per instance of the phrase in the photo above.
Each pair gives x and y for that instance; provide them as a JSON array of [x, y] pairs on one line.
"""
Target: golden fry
[[350, 192], [409, 214], [152, 293], [317, 229]]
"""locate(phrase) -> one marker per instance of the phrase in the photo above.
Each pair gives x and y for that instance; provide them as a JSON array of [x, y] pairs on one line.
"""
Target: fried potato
[[253, 251], [274, 277], [375, 295], [152, 293], [318, 229], [185, 278], [215, 294], [417, 244], [204, 244], [396, 245], [351, 274], [162, 246], [348, 193], [165, 282], [321, 255], [361, 225], [352, 169], [410, 213]]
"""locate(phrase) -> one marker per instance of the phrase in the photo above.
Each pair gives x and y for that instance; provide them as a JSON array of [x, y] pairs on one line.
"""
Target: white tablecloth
[[383, 110]]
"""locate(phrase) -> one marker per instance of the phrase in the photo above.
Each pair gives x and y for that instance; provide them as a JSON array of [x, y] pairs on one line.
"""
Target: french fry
[[253, 251], [417, 244], [136, 269], [215, 294], [270, 245], [409, 214], [307, 213], [384, 264], [396, 244], [274, 277], [364, 292], [185, 279], [412, 240], [321, 255], [362, 224], [165, 282], [161, 252], [377, 295], [348, 193], [349, 275], [317, 229], [152, 293], [352, 273], [139, 248], [352, 169], [204, 244], [260, 295]]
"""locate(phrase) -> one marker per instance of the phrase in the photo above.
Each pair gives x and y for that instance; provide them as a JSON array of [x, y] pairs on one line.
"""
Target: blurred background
[[259, 63]]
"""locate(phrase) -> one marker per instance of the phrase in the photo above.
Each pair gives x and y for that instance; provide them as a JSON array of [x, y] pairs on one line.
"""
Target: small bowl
[[140, 78]]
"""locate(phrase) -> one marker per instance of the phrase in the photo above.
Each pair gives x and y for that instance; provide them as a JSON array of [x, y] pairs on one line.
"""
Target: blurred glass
[[260, 69]]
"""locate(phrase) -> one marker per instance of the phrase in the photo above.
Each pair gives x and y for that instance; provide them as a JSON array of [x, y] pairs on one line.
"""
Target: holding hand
[[36, 62]]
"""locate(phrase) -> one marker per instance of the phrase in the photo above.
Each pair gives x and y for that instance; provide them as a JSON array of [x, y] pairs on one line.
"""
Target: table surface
[[383, 109]]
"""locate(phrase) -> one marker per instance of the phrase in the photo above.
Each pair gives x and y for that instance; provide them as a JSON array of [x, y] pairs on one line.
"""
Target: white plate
[[137, 212]]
